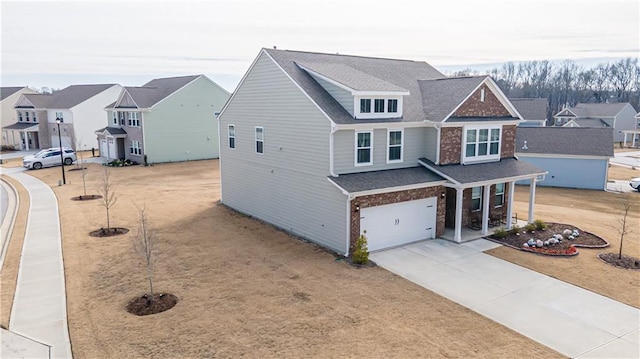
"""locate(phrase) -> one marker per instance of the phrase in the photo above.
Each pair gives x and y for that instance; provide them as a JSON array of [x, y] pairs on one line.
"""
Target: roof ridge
[[345, 55]]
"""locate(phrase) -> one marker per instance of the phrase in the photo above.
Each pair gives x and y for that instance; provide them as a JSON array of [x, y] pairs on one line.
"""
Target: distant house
[[533, 111], [617, 117], [328, 146], [8, 98], [79, 108], [633, 138], [575, 157], [165, 120]]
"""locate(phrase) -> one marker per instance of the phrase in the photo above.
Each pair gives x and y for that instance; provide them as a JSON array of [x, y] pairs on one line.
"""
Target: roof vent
[[525, 147]]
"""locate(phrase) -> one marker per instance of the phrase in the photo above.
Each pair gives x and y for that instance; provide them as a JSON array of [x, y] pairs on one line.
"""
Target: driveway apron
[[571, 320], [39, 309]]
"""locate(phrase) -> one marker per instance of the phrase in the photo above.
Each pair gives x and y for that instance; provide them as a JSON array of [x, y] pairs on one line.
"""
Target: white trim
[[496, 92], [464, 159], [393, 123], [332, 152], [388, 189], [438, 135], [559, 156], [564, 109], [355, 149], [229, 136], [389, 130], [372, 114], [456, 184], [255, 142], [122, 93]]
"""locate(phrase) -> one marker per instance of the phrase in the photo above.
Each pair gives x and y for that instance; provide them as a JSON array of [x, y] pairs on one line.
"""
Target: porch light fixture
[[357, 208], [442, 195], [58, 122]]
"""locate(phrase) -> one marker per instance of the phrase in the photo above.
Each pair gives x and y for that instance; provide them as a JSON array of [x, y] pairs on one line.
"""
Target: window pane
[[259, 146], [484, 135], [395, 138], [495, 134], [499, 200], [364, 139], [259, 134], [364, 155], [365, 105], [476, 192], [392, 106], [394, 153], [494, 148], [471, 135], [482, 149], [471, 150], [379, 105], [232, 131], [475, 204], [232, 142]]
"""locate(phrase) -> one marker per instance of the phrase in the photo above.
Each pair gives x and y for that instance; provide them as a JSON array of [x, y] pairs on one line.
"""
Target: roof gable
[[38, 101], [598, 109], [76, 94], [351, 79], [567, 112], [125, 99], [531, 109], [154, 91], [575, 141], [8, 91], [483, 102]]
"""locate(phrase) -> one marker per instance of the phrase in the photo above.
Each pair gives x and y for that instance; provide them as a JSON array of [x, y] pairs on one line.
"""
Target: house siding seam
[[508, 141], [490, 107], [396, 197], [450, 145]]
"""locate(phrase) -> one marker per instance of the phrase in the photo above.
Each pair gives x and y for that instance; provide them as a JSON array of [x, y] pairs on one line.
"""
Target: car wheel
[[37, 166], [68, 161]]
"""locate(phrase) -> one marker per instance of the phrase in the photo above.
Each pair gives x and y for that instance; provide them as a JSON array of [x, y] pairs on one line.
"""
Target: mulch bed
[[77, 169], [103, 232], [146, 304], [87, 197], [625, 262], [565, 248]]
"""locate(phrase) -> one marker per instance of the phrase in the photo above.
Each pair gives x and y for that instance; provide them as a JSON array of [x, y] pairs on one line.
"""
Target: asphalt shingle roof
[[591, 122], [598, 109], [441, 96], [76, 94], [8, 91], [482, 172], [113, 130], [533, 109], [19, 126], [367, 181], [156, 90], [351, 77], [401, 73], [577, 141], [39, 100]]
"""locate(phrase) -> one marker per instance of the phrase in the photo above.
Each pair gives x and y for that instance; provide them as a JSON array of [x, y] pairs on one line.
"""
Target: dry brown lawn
[[622, 173], [245, 289]]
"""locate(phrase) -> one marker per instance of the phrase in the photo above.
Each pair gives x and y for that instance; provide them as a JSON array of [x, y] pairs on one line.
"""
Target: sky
[[56, 44]]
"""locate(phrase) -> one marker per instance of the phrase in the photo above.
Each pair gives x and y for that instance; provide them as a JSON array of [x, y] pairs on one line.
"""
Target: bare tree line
[[568, 83]]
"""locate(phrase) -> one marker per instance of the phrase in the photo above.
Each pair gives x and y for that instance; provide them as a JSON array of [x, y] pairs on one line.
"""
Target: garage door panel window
[[364, 141]]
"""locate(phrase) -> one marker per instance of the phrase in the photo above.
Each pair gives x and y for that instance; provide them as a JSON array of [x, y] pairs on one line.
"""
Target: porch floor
[[467, 234]]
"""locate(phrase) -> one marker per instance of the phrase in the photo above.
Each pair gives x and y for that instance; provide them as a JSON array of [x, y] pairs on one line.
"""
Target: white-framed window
[[482, 95], [26, 114], [115, 117], [365, 105], [135, 148], [481, 143], [132, 119], [33, 116], [259, 140], [394, 146], [476, 199], [392, 106], [232, 136], [20, 116], [364, 146], [499, 199], [378, 105], [60, 116], [121, 116]]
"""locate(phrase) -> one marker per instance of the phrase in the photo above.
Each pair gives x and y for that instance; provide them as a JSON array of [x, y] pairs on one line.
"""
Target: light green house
[[165, 120]]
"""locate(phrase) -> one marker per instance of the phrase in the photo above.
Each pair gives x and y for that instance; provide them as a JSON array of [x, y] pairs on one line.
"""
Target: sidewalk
[[39, 310], [571, 320]]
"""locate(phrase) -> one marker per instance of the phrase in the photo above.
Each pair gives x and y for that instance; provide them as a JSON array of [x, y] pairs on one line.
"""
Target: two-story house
[[165, 120], [618, 117], [533, 111], [78, 108], [327, 146], [8, 117]]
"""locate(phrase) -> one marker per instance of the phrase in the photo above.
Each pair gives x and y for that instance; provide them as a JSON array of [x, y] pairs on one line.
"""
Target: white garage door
[[399, 223], [103, 148]]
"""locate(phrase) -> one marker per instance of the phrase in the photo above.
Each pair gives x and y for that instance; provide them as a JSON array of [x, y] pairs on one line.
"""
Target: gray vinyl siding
[[431, 144], [343, 96], [415, 146], [183, 126], [570, 172], [286, 186], [625, 120]]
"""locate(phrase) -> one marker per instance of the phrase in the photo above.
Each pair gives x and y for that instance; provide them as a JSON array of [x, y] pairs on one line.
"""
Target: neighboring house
[[633, 138], [165, 120], [327, 146], [615, 116], [533, 111], [8, 98], [79, 108], [574, 157]]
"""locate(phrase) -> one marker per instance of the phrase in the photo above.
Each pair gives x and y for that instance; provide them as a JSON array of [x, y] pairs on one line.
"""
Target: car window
[[68, 151], [55, 153]]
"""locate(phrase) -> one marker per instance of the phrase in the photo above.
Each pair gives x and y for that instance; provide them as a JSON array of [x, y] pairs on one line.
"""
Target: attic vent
[[525, 147]]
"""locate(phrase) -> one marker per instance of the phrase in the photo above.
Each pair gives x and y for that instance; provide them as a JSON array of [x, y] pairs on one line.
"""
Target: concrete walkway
[[39, 311], [573, 321]]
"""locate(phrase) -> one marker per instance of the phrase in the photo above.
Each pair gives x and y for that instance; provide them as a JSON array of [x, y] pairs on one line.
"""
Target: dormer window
[[392, 106], [365, 105], [389, 107], [378, 105]]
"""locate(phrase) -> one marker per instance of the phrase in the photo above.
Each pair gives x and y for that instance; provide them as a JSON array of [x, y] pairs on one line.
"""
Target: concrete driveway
[[573, 321]]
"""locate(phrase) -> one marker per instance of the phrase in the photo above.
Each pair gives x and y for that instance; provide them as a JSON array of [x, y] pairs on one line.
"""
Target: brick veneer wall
[[490, 107], [396, 197], [450, 145], [467, 214], [508, 142]]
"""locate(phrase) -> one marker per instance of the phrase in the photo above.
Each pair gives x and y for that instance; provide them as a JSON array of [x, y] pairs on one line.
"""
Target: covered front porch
[[22, 136], [468, 234], [111, 143], [481, 195]]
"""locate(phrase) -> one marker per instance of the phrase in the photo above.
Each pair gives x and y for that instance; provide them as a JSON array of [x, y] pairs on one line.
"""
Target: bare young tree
[[144, 244], [622, 226], [107, 190], [83, 170]]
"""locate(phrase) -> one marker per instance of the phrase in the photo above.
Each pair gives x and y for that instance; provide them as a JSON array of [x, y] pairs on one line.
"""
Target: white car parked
[[635, 183], [49, 157]]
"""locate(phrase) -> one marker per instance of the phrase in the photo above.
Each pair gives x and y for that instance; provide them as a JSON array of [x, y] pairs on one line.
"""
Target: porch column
[[26, 140], [457, 236], [485, 209], [512, 190], [633, 141], [532, 198], [625, 140]]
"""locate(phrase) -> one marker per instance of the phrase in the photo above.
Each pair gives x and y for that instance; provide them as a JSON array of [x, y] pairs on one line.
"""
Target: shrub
[[361, 252], [515, 229], [500, 233], [530, 227], [540, 225]]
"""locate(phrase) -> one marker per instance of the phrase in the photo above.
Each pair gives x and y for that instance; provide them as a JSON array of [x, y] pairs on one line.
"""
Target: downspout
[[350, 198], [331, 169]]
